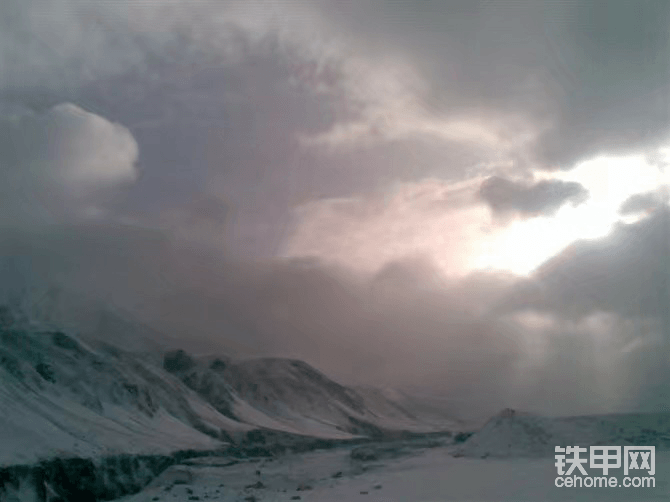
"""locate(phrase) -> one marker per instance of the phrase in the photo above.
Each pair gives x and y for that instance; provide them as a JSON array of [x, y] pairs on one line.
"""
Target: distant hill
[[513, 434]]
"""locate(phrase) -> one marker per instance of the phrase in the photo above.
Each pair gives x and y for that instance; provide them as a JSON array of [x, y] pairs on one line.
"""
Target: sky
[[465, 199]]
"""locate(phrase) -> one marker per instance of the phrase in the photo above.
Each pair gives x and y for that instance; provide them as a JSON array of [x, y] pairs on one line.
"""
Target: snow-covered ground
[[511, 458], [526, 435], [431, 475], [61, 397]]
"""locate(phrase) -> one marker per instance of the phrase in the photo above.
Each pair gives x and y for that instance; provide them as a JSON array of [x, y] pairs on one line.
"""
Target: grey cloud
[[588, 77], [541, 198], [72, 44], [614, 92], [611, 300], [591, 77], [60, 45], [357, 331], [611, 296], [54, 162], [624, 273], [200, 134], [189, 81], [642, 203], [408, 326], [209, 96]]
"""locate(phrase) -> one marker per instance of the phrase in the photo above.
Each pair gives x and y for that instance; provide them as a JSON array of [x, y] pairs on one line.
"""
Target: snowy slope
[[292, 396], [60, 396], [524, 435], [397, 410]]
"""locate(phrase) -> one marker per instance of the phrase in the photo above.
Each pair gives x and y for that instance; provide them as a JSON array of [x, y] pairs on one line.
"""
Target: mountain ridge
[[63, 395]]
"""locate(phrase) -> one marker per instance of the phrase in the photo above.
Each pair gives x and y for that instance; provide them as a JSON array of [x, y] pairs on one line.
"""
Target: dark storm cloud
[[591, 76], [619, 63], [541, 198], [217, 96], [585, 77]]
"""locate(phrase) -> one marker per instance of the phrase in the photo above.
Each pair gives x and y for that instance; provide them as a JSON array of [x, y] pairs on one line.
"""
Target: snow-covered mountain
[[63, 396], [291, 396]]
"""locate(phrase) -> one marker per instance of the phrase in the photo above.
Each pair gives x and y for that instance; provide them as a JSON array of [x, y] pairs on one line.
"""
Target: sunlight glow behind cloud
[[440, 220], [525, 244]]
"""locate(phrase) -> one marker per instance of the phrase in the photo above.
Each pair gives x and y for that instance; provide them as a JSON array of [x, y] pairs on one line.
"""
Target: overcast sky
[[464, 197]]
